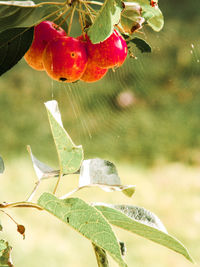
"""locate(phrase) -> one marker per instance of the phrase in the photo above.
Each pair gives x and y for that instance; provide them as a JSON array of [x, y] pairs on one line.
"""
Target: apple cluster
[[69, 59]]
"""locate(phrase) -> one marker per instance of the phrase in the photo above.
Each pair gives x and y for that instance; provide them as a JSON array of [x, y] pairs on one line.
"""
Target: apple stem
[[71, 19], [81, 21]]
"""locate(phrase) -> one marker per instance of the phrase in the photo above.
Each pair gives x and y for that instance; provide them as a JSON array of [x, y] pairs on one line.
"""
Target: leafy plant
[[94, 220]]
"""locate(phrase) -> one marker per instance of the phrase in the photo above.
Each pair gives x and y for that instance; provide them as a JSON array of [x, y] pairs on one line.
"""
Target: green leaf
[[70, 156], [13, 45], [141, 44], [2, 168], [108, 16], [103, 174], [85, 219], [25, 13], [100, 256], [152, 15], [1, 228], [5, 254], [141, 222]]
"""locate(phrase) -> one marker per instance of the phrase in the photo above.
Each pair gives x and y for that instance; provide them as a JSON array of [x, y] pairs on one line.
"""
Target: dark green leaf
[[103, 174], [141, 44], [13, 45], [2, 168], [70, 156], [25, 14], [85, 219], [108, 16], [144, 223], [5, 254]]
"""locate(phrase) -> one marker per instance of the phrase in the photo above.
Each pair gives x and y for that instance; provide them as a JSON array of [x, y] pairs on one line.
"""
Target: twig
[[71, 19]]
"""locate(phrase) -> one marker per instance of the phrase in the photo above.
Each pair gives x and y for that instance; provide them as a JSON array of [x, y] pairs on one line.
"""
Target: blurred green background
[[147, 113]]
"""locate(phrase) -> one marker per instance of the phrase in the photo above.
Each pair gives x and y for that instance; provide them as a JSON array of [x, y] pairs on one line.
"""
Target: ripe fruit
[[65, 59], [109, 53], [93, 73], [44, 32]]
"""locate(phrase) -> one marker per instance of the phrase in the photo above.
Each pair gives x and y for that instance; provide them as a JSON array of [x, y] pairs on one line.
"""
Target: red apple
[[44, 32], [65, 59], [92, 72], [109, 53]]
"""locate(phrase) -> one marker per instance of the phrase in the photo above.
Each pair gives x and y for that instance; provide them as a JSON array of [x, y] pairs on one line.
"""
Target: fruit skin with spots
[[65, 59], [92, 72], [44, 32], [110, 53]]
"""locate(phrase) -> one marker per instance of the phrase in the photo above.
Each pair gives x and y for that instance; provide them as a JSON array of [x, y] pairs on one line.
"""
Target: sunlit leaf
[[108, 16], [5, 254], [141, 222], [70, 156], [2, 168], [13, 45], [103, 174], [42, 170], [85, 219]]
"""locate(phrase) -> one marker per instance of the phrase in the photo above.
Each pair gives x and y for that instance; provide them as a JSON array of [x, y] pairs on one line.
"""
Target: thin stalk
[[81, 21], [58, 181], [71, 19], [50, 3], [33, 191], [93, 3], [90, 13], [62, 14], [21, 204], [9, 216]]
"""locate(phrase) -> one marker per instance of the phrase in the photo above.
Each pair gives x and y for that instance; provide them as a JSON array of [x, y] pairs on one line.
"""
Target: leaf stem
[[58, 181], [50, 3], [92, 2], [34, 191], [81, 21], [21, 204], [71, 19]]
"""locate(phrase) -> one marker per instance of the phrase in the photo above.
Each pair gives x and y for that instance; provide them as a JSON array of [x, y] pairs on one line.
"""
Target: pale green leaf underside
[[70, 156], [121, 220], [108, 16], [85, 219], [103, 174], [42, 170]]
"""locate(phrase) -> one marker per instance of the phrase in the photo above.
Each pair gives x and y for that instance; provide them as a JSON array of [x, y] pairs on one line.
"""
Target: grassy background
[[170, 191]]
